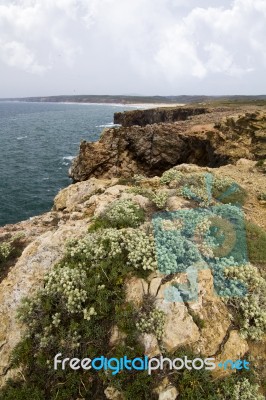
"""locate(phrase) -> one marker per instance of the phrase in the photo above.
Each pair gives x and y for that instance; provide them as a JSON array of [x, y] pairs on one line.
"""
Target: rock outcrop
[[205, 325], [210, 139], [157, 115]]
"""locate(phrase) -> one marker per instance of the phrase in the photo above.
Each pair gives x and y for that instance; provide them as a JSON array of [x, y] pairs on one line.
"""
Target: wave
[[21, 137], [69, 158], [108, 125]]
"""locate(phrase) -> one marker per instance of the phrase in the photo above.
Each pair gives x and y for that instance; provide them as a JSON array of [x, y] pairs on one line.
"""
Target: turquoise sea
[[37, 143]]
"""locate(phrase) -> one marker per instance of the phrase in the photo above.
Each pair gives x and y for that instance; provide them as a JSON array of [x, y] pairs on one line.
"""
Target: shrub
[[226, 190], [197, 187], [250, 309], [5, 250], [10, 250], [120, 214], [262, 196], [256, 243], [200, 384], [76, 308], [152, 322], [170, 175], [244, 390], [260, 163], [16, 390], [159, 198]]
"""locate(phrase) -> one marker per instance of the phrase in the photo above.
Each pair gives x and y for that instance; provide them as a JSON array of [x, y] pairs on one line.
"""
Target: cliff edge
[[148, 145], [132, 265]]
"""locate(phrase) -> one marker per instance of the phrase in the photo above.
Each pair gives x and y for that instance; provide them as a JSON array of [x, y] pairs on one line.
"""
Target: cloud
[[140, 45], [40, 30], [17, 54]]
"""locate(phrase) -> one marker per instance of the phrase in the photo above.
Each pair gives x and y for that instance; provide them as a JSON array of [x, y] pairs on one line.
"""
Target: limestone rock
[[150, 343], [234, 349], [180, 329], [113, 394], [142, 201], [154, 286], [135, 289], [176, 203], [152, 149], [162, 386], [170, 393], [73, 195], [24, 279], [116, 336], [211, 309], [101, 201], [156, 115]]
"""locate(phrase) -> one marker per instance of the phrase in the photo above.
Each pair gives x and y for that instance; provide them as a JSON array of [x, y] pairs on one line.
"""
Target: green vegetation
[[226, 190], [120, 214], [205, 188], [196, 318], [249, 310], [170, 175], [83, 298], [262, 196], [256, 242], [260, 163], [135, 385], [10, 250], [152, 322], [201, 385], [157, 197]]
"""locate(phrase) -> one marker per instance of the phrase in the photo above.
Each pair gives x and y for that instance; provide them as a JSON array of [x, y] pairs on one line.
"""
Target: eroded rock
[[234, 349], [23, 280], [135, 289]]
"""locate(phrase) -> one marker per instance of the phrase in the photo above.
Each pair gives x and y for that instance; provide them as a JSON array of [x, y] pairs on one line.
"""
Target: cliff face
[[156, 115], [210, 139], [148, 150]]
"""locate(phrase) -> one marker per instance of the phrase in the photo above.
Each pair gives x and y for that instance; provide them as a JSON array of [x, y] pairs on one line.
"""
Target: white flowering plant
[[249, 310], [120, 214], [152, 322]]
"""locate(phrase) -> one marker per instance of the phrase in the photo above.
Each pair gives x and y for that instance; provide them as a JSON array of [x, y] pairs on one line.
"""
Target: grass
[[256, 243]]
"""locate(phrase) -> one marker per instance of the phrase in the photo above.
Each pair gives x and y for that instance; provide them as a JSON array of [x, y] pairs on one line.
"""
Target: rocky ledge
[[89, 269], [151, 145], [157, 115]]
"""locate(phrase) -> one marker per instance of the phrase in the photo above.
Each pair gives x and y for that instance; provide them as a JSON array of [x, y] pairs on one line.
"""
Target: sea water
[[38, 141]]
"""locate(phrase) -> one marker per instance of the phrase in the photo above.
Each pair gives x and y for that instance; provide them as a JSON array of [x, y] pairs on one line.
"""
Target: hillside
[[157, 249]]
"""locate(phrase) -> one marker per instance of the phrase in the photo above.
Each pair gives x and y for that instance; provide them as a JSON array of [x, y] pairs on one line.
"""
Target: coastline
[[130, 105]]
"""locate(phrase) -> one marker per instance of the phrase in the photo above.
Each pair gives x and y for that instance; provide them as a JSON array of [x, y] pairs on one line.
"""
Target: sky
[[132, 47]]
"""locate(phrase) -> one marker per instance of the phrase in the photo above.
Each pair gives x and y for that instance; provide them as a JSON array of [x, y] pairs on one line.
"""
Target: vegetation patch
[[120, 214], [10, 250], [83, 298], [249, 310], [256, 242]]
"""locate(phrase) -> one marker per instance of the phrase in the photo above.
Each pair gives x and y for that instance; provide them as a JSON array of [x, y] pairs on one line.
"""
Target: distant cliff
[[156, 115], [210, 139]]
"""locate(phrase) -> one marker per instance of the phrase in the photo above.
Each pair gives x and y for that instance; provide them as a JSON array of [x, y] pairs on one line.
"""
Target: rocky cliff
[[97, 277], [210, 139], [157, 115]]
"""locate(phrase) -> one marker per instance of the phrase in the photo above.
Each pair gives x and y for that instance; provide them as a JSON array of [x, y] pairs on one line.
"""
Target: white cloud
[[17, 54], [177, 55], [146, 44]]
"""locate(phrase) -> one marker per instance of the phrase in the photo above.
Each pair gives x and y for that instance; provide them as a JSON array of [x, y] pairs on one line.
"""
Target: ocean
[[38, 141]]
